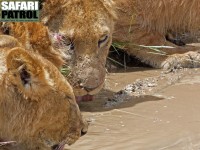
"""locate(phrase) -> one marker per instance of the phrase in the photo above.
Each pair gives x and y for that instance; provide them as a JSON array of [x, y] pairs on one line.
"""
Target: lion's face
[[37, 106], [85, 29]]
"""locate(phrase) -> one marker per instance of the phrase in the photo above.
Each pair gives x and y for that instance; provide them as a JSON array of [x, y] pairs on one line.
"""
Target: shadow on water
[[98, 104]]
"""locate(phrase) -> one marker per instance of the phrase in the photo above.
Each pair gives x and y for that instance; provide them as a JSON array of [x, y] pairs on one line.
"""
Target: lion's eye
[[66, 41], [102, 40], [71, 46]]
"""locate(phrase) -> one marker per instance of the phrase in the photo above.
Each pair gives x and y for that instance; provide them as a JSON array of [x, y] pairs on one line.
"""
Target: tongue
[[85, 98]]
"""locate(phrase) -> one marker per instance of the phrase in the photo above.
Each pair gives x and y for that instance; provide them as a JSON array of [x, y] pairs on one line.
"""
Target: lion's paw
[[187, 60]]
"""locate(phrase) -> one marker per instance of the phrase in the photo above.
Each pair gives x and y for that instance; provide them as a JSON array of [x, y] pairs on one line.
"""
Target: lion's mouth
[[84, 98], [59, 146]]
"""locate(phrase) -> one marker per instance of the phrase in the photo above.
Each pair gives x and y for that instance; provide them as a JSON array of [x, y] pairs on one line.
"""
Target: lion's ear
[[25, 72], [8, 41], [19, 58]]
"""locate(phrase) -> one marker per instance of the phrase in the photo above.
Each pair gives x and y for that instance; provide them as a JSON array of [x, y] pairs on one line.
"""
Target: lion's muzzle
[[87, 77]]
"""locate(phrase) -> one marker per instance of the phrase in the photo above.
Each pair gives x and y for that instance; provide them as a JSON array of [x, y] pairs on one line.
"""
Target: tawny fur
[[175, 15], [37, 104], [146, 22], [35, 37]]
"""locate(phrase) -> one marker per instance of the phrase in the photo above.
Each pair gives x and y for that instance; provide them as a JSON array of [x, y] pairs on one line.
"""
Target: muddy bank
[[164, 115]]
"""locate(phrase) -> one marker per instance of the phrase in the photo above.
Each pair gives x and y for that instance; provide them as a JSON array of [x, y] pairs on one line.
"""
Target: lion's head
[[83, 29], [37, 105]]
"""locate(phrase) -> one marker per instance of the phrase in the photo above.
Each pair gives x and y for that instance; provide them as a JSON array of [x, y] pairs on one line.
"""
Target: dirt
[[144, 109]]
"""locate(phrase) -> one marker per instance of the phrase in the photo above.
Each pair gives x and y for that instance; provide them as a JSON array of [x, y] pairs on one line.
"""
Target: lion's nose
[[54, 147], [91, 78], [59, 146], [91, 83]]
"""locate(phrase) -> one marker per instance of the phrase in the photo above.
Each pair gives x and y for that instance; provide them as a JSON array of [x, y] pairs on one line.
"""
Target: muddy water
[[166, 117]]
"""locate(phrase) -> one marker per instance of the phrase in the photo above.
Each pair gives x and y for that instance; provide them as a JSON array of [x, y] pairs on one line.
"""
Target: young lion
[[37, 106]]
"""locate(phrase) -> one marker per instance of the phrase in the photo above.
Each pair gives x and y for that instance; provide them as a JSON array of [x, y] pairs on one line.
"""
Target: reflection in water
[[169, 119]]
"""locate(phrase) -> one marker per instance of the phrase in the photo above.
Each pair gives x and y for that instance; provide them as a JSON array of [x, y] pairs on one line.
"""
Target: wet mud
[[144, 109]]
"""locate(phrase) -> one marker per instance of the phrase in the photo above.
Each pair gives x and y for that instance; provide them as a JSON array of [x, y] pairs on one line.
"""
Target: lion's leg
[[178, 56]]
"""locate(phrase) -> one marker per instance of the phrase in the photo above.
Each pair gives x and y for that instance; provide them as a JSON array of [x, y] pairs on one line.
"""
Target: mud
[[144, 109]]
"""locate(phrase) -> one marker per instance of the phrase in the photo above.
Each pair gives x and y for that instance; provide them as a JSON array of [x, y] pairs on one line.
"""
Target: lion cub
[[37, 105]]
